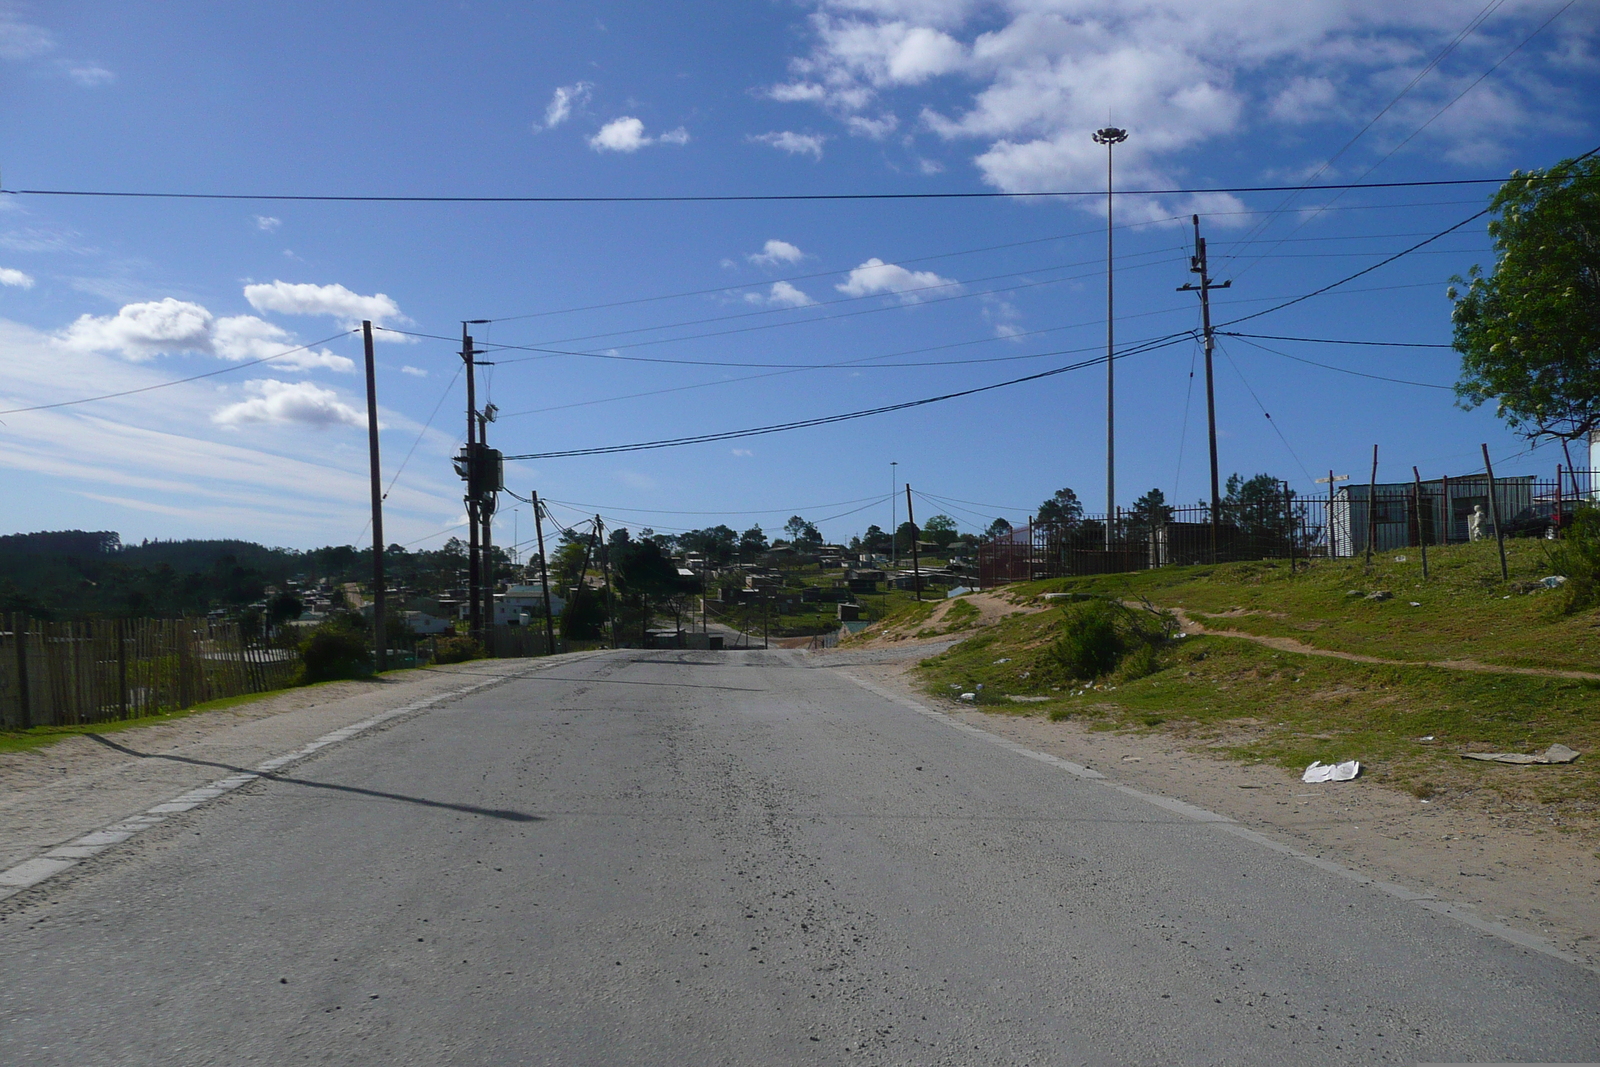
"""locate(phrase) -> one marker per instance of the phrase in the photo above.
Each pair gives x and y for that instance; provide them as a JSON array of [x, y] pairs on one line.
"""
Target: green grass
[[1238, 699], [1464, 610]]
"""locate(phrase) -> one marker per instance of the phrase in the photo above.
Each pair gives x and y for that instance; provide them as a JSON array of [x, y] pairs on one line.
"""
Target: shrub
[[335, 649], [456, 650], [1099, 637], [1577, 556], [1089, 645]]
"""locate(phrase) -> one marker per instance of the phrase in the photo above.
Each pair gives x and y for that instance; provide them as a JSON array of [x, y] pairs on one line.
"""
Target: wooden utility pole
[[916, 564], [379, 637], [474, 586], [544, 577], [1372, 505], [1197, 265], [1494, 514], [605, 567], [486, 506]]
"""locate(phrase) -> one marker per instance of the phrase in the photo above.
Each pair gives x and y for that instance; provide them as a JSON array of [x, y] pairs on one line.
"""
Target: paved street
[[736, 858]]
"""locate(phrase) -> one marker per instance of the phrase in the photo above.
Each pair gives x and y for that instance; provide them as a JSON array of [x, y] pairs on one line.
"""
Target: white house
[[523, 605]]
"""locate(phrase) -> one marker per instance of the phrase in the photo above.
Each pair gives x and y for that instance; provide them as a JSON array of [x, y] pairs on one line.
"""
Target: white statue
[[1477, 524]]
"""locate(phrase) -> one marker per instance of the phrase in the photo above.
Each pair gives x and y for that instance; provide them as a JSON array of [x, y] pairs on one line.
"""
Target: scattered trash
[[1131, 759], [1380, 594], [1399, 559], [1415, 603], [1553, 754], [1004, 659], [979, 687], [954, 686], [969, 697], [1355, 592], [1555, 581], [1335, 772], [1428, 738]]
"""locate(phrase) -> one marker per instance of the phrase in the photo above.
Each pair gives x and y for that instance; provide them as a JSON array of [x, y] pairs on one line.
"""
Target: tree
[[997, 529], [941, 529], [753, 541], [1529, 332], [1062, 509], [802, 533], [1150, 511], [716, 543], [903, 537], [875, 540], [644, 573], [1257, 505]]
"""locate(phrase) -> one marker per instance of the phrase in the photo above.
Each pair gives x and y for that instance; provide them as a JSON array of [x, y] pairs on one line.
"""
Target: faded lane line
[[1462, 913], [31, 872]]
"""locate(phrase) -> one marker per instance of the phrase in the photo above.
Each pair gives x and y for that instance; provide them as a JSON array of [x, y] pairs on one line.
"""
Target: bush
[[1089, 645], [456, 650], [1577, 556], [1099, 637], [335, 649]]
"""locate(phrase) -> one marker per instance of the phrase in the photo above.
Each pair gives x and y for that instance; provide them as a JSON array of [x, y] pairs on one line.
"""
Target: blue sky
[[904, 299]]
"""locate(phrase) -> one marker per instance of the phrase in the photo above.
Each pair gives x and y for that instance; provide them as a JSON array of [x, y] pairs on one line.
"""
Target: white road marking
[[1462, 913], [31, 872]]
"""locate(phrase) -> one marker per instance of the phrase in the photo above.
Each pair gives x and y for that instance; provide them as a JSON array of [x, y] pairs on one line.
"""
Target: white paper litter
[[1331, 772]]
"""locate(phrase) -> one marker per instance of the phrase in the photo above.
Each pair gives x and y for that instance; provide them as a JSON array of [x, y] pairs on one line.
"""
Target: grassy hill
[[1408, 722]]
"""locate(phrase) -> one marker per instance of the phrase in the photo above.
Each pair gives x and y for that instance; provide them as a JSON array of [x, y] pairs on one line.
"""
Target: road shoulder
[[1541, 881]]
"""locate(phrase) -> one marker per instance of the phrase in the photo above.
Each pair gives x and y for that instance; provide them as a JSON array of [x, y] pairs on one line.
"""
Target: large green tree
[[1529, 331]]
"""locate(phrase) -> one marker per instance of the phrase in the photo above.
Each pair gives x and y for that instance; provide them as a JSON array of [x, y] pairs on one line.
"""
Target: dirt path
[[1290, 644]]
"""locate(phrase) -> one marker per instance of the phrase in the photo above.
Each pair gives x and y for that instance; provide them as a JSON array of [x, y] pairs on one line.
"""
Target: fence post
[[24, 709], [1494, 513], [122, 668], [1372, 506], [1449, 518], [1422, 538]]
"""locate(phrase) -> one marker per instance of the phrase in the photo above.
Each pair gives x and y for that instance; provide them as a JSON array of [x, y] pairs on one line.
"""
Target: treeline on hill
[[67, 574]]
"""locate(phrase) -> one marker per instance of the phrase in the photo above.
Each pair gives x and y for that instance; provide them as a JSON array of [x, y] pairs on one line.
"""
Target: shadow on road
[[470, 809]]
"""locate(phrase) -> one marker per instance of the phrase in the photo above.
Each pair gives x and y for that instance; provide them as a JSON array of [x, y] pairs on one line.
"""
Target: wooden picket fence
[[103, 670]]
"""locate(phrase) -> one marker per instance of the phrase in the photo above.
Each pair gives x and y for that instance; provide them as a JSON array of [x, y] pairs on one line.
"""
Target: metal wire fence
[[1352, 520]]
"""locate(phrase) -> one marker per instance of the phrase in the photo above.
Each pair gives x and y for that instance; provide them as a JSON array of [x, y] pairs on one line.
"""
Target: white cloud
[[782, 294], [415, 372], [142, 331], [20, 40], [774, 252], [796, 144], [89, 75], [290, 403], [742, 452], [559, 109], [349, 308], [620, 135], [1033, 78], [875, 276], [18, 279], [627, 135], [242, 337], [267, 223]]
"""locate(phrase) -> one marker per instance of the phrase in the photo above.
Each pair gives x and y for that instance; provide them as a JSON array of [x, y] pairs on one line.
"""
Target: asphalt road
[[736, 858]]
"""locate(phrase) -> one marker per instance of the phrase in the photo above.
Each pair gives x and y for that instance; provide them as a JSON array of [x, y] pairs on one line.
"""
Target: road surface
[[679, 857]]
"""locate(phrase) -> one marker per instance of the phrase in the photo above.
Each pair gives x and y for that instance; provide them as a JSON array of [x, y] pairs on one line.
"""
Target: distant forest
[[64, 574]]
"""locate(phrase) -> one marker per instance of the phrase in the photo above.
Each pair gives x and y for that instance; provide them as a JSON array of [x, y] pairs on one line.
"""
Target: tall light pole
[[1110, 136], [894, 485]]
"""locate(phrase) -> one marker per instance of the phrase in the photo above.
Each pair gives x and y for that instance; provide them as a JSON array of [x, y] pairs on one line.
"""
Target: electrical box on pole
[[1197, 265]]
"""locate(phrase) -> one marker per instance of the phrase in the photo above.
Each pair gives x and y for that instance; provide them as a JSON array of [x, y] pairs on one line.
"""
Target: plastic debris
[[969, 697], [1399, 559], [1331, 772], [1428, 738], [1416, 603], [1004, 659], [1381, 594], [1553, 754], [1555, 581]]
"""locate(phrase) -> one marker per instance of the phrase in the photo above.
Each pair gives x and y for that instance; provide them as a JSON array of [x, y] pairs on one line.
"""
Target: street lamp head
[[1110, 136]]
